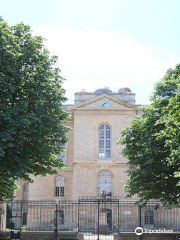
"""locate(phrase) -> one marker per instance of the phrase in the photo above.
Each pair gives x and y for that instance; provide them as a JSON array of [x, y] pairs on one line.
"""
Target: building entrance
[[99, 215]]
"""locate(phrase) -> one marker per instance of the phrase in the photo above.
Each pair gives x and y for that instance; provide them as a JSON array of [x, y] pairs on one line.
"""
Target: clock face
[[104, 103]]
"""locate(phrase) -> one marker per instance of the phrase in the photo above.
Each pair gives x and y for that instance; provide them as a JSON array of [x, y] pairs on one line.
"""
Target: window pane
[[57, 192], [108, 153], [108, 144], [101, 153], [149, 217], [104, 141], [62, 191], [107, 127], [151, 220], [101, 134], [146, 219], [101, 143], [59, 181], [108, 134], [24, 218]]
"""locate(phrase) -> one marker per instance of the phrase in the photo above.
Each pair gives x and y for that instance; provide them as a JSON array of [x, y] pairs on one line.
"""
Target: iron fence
[[91, 215]]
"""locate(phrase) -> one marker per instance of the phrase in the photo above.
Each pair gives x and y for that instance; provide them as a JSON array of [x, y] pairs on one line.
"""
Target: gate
[[100, 216]]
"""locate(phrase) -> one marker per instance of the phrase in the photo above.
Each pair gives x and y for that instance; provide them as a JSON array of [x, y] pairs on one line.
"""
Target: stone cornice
[[105, 111]]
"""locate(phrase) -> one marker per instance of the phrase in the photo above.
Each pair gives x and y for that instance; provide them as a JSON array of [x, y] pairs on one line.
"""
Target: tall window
[[59, 189], [105, 183], [104, 141], [26, 191], [149, 217], [24, 218]]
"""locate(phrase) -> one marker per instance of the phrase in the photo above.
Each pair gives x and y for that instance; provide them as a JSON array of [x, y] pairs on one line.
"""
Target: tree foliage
[[152, 145], [31, 117]]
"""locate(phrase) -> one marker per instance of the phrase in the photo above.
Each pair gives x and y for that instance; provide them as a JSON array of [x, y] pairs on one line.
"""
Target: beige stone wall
[[43, 188], [85, 179], [86, 138]]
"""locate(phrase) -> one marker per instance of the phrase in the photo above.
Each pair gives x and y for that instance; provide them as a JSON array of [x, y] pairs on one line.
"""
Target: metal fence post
[[56, 224], [98, 220], [78, 216], [139, 216], [11, 234], [139, 221], [118, 218]]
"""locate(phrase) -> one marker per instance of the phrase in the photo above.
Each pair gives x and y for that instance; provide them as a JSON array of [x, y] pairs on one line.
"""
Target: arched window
[[104, 141], [149, 217], [59, 189], [105, 183], [26, 191]]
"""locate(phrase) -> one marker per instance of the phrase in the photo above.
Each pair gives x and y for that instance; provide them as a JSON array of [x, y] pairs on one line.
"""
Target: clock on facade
[[104, 103]]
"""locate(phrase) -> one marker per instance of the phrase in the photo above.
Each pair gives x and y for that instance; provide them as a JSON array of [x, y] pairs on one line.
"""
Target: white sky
[[113, 43], [92, 59]]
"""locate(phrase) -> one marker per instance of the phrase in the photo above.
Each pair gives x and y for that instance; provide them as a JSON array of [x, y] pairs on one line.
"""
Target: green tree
[[31, 118], [152, 145]]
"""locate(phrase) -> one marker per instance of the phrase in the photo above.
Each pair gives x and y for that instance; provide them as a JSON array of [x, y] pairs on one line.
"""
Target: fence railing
[[94, 215]]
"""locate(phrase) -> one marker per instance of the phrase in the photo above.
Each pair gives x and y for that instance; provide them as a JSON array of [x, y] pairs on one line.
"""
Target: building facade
[[92, 156], [88, 195]]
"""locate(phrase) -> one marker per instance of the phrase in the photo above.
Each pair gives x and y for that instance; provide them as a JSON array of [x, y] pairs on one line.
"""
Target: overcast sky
[[112, 43]]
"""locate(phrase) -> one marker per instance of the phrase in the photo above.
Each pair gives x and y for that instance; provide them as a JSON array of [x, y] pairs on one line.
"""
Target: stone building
[[92, 156], [88, 194]]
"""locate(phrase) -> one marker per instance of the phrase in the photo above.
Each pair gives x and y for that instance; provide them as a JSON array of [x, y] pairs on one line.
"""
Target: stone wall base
[[146, 236], [49, 235]]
